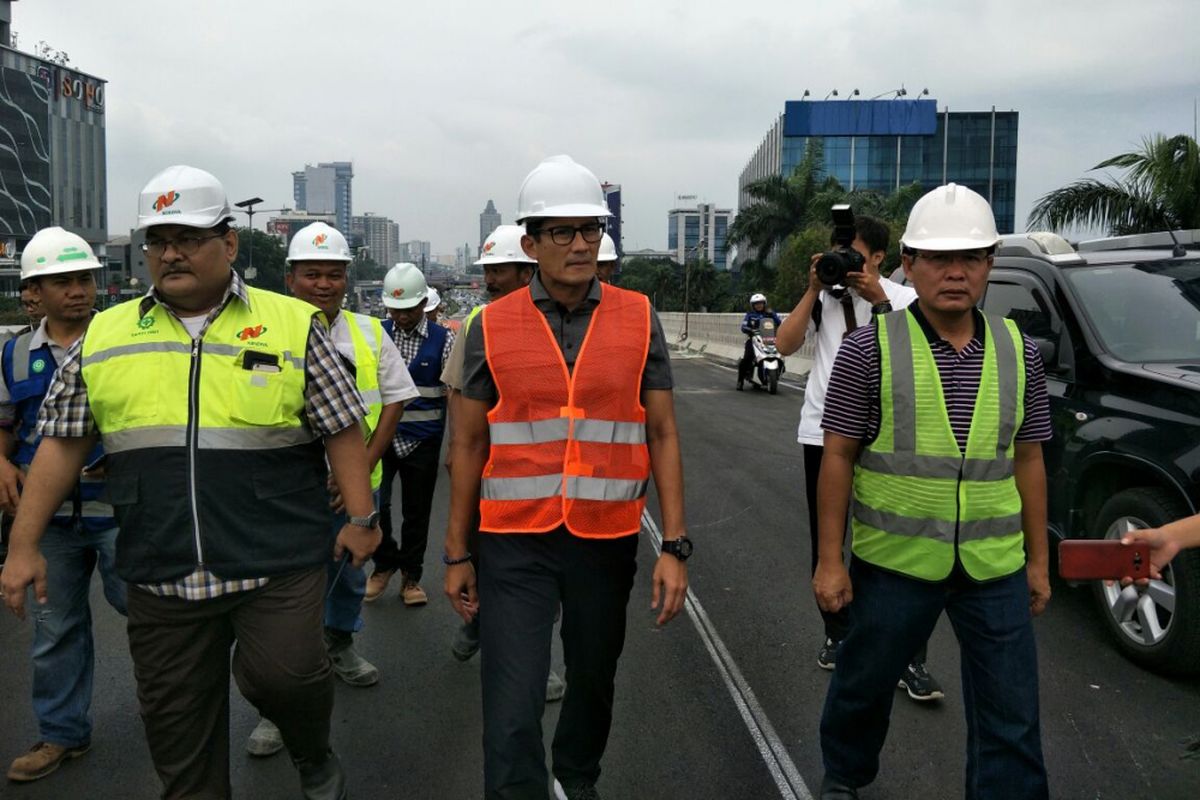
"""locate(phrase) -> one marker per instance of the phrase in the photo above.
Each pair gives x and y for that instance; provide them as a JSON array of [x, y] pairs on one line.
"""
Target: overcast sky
[[443, 105]]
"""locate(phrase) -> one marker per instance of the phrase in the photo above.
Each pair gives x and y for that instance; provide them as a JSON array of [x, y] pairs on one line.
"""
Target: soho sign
[[74, 86]]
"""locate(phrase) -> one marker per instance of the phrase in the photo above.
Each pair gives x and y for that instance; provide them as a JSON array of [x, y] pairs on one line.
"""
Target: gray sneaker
[[556, 687], [351, 667], [264, 740]]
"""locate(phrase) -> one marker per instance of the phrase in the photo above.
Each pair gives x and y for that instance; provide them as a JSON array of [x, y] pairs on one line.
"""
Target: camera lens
[[832, 268]]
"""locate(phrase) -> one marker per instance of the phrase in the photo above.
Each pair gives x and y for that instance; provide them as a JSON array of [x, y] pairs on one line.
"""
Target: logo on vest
[[146, 322], [39, 365], [252, 333]]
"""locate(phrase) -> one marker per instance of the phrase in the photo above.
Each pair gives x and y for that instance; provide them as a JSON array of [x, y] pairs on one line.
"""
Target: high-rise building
[[52, 149], [699, 232], [380, 236], [612, 197], [489, 220], [884, 144], [415, 252], [326, 189]]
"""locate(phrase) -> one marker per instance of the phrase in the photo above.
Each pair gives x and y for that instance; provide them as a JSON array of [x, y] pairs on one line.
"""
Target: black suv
[[1118, 325]]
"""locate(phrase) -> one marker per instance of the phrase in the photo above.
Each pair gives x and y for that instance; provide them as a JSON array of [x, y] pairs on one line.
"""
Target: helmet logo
[[71, 254], [397, 292], [319, 239], [252, 333], [166, 200], [489, 246]]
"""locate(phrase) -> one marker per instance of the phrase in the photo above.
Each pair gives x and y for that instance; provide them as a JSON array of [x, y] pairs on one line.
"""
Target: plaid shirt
[[409, 342], [331, 404]]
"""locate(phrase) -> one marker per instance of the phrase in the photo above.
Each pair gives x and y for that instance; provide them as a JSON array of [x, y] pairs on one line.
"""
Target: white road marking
[[774, 754]]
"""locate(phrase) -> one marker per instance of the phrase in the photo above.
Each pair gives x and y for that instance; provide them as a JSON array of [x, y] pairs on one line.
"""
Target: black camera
[[833, 265]]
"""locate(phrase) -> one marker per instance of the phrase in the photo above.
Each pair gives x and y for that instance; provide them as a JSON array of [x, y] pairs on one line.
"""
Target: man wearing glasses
[[218, 405], [948, 512], [566, 411]]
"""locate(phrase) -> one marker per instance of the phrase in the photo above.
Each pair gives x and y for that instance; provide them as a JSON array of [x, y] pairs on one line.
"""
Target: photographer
[[751, 324], [831, 313]]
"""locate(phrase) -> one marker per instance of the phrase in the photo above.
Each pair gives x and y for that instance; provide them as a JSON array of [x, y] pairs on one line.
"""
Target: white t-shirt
[[829, 339], [395, 384]]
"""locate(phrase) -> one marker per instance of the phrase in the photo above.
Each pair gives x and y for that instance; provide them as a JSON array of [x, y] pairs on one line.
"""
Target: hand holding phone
[[1103, 559]]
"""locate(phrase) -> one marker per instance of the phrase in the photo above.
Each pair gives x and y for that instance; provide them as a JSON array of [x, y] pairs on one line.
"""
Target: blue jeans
[[346, 589], [63, 651], [891, 616]]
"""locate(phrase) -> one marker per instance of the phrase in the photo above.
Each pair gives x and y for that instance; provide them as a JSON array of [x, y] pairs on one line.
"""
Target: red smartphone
[[1102, 559]]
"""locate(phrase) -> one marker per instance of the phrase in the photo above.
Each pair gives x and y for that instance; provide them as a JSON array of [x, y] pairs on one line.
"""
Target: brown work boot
[[377, 583], [411, 593], [42, 759]]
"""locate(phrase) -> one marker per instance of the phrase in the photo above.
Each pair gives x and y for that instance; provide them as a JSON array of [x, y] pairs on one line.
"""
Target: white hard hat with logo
[[950, 217], [53, 251], [183, 195], [559, 187], [318, 242], [608, 249], [404, 286], [758, 297], [503, 246], [433, 300]]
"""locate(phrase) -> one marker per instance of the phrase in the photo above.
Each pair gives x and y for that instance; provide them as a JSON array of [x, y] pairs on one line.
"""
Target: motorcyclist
[[751, 324]]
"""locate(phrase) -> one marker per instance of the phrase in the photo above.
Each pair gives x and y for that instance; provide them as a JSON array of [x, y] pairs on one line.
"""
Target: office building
[[699, 232], [415, 252], [612, 198], [284, 225], [489, 220], [326, 189], [380, 236], [52, 150], [884, 144]]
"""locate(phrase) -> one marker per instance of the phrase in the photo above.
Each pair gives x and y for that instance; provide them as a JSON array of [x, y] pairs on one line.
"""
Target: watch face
[[685, 547]]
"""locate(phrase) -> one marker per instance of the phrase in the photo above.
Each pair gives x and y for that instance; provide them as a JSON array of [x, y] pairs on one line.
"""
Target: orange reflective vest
[[567, 447]]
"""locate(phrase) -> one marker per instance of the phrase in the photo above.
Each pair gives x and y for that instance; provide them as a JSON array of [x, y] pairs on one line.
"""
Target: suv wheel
[[1157, 626]]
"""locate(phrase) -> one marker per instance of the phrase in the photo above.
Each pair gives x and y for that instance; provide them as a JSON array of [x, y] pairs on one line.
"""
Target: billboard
[[25, 193]]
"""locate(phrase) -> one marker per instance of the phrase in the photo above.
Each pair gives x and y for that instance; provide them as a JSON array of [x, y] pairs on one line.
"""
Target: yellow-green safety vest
[[919, 501], [366, 333]]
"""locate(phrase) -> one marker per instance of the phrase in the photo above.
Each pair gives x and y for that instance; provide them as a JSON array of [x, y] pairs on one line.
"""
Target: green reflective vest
[[366, 333], [918, 499], [210, 459]]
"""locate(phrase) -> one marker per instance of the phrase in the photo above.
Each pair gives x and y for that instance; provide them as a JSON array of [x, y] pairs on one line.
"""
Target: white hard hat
[[183, 195], [558, 187], [758, 297], [318, 242], [503, 246], [434, 300], [53, 251], [950, 217], [608, 249], [404, 286]]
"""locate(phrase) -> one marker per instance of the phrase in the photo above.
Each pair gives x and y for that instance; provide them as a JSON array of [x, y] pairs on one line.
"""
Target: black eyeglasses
[[184, 245], [592, 232]]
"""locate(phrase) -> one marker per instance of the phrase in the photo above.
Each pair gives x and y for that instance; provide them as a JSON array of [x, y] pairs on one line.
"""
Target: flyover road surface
[[724, 702]]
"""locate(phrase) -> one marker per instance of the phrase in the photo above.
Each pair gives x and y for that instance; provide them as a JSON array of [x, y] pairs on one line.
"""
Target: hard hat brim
[[187, 220], [60, 269], [320, 257], [402, 303], [565, 211], [949, 244]]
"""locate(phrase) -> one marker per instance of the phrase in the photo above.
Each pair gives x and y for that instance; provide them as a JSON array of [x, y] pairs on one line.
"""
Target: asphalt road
[[722, 703]]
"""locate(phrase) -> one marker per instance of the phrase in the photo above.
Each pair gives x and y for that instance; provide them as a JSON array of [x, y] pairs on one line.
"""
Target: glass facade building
[[612, 198], [326, 189], [699, 232], [885, 144]]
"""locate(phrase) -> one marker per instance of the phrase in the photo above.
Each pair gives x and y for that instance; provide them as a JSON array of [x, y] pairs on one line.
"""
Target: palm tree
[[1160, 191]]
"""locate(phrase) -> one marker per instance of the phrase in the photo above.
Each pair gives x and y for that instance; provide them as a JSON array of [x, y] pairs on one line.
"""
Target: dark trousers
[[526, 579], [746, 365], [180, 652], [418, 474], [837, 624], [891, 615]]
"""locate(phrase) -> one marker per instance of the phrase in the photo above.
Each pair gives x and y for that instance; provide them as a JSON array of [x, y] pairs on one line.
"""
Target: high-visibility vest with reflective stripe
[[211, 461], [567, 447], [27, 374], [475, 312], [918, 498], [425, 415], [366, 333]]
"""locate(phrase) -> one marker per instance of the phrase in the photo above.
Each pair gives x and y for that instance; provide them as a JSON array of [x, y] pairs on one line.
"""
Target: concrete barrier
[[720, 338]]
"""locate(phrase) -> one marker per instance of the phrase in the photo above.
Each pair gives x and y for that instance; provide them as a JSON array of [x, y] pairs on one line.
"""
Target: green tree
[[653, 277], [270, 260], [1159, 191]]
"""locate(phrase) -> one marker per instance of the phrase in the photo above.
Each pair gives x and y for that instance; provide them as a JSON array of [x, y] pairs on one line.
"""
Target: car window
[[1023, 306]]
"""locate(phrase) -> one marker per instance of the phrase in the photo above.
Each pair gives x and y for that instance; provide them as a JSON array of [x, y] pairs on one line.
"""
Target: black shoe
[[919, 684], [322, 780], [741, 382], [576, 791], [834, 789], [827, 655]]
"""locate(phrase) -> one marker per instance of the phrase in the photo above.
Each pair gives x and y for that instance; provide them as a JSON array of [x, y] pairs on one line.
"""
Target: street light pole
[[247, 208], [687, 286]]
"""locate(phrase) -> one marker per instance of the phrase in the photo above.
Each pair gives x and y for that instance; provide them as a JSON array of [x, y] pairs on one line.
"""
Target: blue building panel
[[860, 118]]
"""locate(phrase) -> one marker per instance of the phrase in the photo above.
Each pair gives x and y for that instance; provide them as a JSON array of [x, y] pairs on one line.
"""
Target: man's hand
[[670, 583], [361, 542], [866, 285], [814, 282], [1038, 575], [22, 569], [831, 585], [11, 480], [460, 589]]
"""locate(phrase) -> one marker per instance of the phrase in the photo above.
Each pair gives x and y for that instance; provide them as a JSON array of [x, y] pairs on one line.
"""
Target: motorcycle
[[768, 364]]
